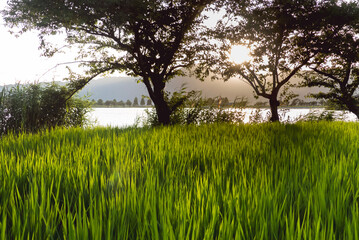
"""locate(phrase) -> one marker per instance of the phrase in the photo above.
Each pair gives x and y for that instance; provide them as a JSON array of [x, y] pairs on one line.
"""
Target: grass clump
[[264, 181], [35, 107]]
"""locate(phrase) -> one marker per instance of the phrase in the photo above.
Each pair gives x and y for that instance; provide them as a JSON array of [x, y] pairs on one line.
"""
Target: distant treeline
[[209, 102], [145, 101], [297, 102]]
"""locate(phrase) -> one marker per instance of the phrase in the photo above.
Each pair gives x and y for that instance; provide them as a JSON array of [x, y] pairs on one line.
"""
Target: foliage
[[318, 116], [193, 109], [128, 103], [100, 102], [210, 182], [337, 66], [35, 107], [142, 102], [277, 33], [199, 115], [135, 102], [153, 39], [149, 102], [256, 116], [121, 103]]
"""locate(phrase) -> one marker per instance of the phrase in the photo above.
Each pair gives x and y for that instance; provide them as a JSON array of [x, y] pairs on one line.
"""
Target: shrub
[[318, 116], [33, 107], [191, 108]]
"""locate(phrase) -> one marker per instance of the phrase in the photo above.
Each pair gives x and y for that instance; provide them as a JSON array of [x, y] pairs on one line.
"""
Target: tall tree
[[142, 102], [153, 39], [128, 103], [135, 102], [277, 34], [149, 102], [121, 103], [337, 66], [100, 102]]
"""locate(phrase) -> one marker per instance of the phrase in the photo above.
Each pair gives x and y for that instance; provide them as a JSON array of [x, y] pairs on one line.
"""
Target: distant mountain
[[119, 88], [123, 88], [127, 88]]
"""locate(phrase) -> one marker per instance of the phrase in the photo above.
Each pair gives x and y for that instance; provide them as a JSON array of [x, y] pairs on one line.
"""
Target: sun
[[239, 54]]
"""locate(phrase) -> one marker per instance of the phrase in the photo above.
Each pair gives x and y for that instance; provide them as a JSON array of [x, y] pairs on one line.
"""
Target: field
[[262, 181]]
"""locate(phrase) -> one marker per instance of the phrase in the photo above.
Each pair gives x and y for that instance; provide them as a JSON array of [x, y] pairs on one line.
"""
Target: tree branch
[[66, 63], [337, 80], [258, 82], [86, 81]]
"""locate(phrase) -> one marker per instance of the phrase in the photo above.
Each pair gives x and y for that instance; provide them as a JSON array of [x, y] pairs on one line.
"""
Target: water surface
[[124, 117]]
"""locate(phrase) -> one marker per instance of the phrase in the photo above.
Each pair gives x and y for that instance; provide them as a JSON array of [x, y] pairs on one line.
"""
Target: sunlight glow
[[239, 54]]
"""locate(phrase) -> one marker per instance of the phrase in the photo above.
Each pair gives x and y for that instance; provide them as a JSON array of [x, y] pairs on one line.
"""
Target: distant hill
[[123, 88], [119, 88]]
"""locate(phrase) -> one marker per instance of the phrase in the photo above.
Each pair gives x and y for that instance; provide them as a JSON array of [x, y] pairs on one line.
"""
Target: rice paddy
[[261, 181]]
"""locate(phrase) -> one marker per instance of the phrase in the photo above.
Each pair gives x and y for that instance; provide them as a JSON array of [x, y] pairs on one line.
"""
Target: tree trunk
[[352, 107], [274, 103], [162, 110], [356, 113], [156, 93]]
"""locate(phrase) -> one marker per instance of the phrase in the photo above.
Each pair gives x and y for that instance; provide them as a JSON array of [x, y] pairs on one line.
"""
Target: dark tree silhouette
[[278, 33], [128, 103], [100, 102], [135, 102], [121, 103], [149, 102], [152, 39], [337, 65], [142, 102]]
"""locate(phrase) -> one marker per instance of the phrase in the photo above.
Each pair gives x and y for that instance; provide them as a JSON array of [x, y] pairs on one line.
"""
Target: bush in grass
[[33, 107], [257, 116], [318, 116], [191, 108]]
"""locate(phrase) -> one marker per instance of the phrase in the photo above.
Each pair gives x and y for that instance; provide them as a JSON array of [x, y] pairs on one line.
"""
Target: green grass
[[265, 181]]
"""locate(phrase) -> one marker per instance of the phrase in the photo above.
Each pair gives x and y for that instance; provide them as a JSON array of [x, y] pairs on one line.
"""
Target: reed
[[261, 181]]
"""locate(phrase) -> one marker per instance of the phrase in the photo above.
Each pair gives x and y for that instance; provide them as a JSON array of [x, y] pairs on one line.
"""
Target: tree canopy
[[157, 39], [279, 35], [337, 66], [153, 39]]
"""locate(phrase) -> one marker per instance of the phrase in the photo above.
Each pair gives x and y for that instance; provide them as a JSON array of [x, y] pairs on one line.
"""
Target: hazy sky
[[21, 60]]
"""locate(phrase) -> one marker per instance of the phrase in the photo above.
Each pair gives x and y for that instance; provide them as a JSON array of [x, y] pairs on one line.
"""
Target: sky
[[21, 60]]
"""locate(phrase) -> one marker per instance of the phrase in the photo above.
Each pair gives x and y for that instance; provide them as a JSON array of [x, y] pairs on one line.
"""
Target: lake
[[124, 117]]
